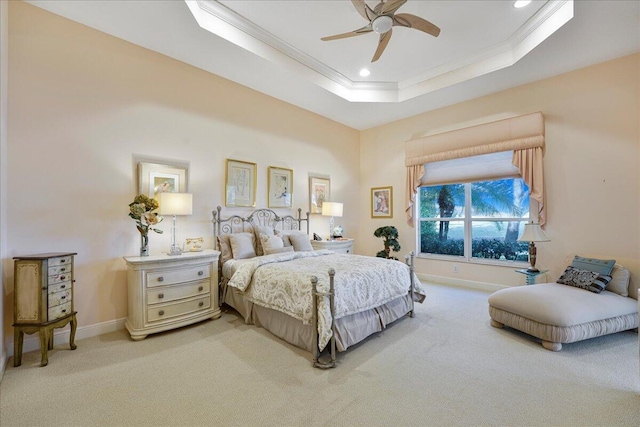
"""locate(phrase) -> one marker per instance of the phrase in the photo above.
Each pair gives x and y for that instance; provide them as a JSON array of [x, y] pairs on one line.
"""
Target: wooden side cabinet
[[167, 292], [43, 300]]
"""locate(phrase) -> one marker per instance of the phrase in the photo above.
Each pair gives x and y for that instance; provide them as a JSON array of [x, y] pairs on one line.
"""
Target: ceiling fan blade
[[364, 30], [382, 44], [363, 9], [391, 6], [412, 21]]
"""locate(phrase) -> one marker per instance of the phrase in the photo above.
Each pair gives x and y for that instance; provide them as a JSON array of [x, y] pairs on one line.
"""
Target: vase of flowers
[[141, 211]]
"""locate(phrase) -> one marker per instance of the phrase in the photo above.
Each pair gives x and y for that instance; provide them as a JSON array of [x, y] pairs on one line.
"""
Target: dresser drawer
[[191, 274], [63, 260], [162, 312], [59, 269], [172, 293], [59, 311], [58, 287], [60, 297], [59, 278]]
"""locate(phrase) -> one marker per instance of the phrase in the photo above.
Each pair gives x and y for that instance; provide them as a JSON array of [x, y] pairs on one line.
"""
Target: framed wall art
[[154, 178], [319, 191], [280, 187], [240, 184], [382, 202]]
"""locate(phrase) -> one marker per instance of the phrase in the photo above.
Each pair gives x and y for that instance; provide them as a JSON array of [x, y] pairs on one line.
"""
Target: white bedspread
[[283, 282]]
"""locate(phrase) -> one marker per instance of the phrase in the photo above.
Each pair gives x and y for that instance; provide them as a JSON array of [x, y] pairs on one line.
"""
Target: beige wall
[[83, 105], [4, 45], [591, 167]]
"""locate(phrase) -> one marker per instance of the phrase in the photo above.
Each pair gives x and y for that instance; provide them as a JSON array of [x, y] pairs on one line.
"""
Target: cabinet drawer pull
[[63, 286], [201, 304], [161, 312], [63, 269], [63, 297], [200, 273], [160, 296], [64, 310], [160, 279], [63, 277], [62, 261], [200, 288]]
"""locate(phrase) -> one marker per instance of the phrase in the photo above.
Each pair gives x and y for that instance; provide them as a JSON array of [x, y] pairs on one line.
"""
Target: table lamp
[[175, 204], [331, 209], [533, 233]]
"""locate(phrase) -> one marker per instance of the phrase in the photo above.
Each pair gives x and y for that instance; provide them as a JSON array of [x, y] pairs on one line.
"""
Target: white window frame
[[467, 220]]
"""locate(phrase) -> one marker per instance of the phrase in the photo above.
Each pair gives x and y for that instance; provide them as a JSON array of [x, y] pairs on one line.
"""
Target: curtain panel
[[524, 135]]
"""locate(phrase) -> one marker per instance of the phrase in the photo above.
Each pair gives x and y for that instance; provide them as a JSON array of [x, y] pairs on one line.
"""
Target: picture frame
[[240, 184], [319, 191], [279, 187], [154, 178], [382, 202]]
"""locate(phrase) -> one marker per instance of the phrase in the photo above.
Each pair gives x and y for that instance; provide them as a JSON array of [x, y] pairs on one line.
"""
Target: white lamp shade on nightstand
[[175, 203], [533, 233], [332, 209]]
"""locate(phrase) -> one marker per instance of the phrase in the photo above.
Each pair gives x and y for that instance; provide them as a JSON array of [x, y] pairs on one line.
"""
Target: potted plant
[[389, 236]]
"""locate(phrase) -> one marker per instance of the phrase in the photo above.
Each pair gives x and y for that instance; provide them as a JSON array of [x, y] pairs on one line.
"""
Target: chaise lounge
[[561, 313]]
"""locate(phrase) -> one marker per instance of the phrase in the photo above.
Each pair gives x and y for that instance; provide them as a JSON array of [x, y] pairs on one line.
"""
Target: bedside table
[[342, 246], [166, 292], [531, 275]]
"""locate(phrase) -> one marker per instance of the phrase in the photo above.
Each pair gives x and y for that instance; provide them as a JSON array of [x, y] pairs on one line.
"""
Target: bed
[[272, 277]]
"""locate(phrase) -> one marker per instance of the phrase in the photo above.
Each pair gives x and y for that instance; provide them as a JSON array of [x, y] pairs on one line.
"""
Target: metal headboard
[[259, 217]]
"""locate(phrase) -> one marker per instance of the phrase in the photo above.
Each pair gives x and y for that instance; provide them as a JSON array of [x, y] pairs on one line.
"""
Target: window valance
[[523, 135]]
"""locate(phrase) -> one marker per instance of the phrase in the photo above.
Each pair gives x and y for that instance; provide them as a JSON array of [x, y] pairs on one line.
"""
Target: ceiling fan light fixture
[[521, 3], [365, 72], [382, 24]]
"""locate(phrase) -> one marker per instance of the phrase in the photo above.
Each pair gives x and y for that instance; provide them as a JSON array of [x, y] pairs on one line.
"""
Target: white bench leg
[[553, 346]]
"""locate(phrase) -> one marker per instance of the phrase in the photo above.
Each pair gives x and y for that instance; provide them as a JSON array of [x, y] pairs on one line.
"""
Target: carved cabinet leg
[[72, 335], [18, 338], [44, 346]]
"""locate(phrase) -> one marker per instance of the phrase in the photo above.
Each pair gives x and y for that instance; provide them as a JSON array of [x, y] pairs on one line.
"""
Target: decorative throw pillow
[[300, 242], [225, 248], [259, 230], [284, 237], [584, 279], [278, 250], [242, 245], [271, 242], [619, 283], [600, 266]]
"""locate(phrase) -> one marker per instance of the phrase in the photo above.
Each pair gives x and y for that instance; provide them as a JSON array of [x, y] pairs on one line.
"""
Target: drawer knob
[[200, 273], [63, 286], [63, 297], [160, 279], [63, 277], [64, 310], [63, 269], [160, 296], [161, 312], [200, 288], [201, 303], [62, 261]]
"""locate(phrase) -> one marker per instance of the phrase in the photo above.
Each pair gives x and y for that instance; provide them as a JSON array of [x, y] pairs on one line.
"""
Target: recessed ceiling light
[[521, 3], [364, 72]]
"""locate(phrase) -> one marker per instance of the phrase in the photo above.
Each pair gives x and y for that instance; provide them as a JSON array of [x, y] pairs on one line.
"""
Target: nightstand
[[167, 292], [531, 275], [341, 246]]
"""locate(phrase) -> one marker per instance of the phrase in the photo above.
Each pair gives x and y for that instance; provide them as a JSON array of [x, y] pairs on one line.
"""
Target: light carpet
[[445, 367]]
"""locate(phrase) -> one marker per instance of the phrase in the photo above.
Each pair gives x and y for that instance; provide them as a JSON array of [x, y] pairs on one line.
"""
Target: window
[[477, 220]]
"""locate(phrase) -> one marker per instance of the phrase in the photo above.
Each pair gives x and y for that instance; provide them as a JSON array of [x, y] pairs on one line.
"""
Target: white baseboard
[[470, 284], [60, 336]]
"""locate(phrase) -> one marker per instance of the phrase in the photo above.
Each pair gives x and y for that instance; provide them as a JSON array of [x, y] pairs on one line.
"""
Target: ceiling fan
[[381, 20]]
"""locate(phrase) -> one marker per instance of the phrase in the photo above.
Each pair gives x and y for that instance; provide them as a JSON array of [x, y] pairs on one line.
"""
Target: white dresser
[[342, 246], [167, 292]]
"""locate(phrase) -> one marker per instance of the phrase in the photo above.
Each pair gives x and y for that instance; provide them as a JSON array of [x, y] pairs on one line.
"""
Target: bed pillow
[[242, 245], [270, 242], [259, 230], [300, 242], [284, 236], [600, 266], [278, 250], [584, 279], [619, 283], [225, 248]]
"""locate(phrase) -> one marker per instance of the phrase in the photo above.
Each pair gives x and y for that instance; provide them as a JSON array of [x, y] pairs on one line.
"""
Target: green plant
[[389, 236]]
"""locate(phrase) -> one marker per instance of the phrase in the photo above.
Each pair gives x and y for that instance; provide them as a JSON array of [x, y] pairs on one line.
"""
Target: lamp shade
[[332, 209], [533, 233], [175, 203]]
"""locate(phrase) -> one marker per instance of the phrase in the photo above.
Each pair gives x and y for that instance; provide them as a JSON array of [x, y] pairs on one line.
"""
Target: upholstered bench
[[558, 313]]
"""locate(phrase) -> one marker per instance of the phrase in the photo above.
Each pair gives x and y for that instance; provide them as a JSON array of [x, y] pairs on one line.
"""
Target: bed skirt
[[350, 329]]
